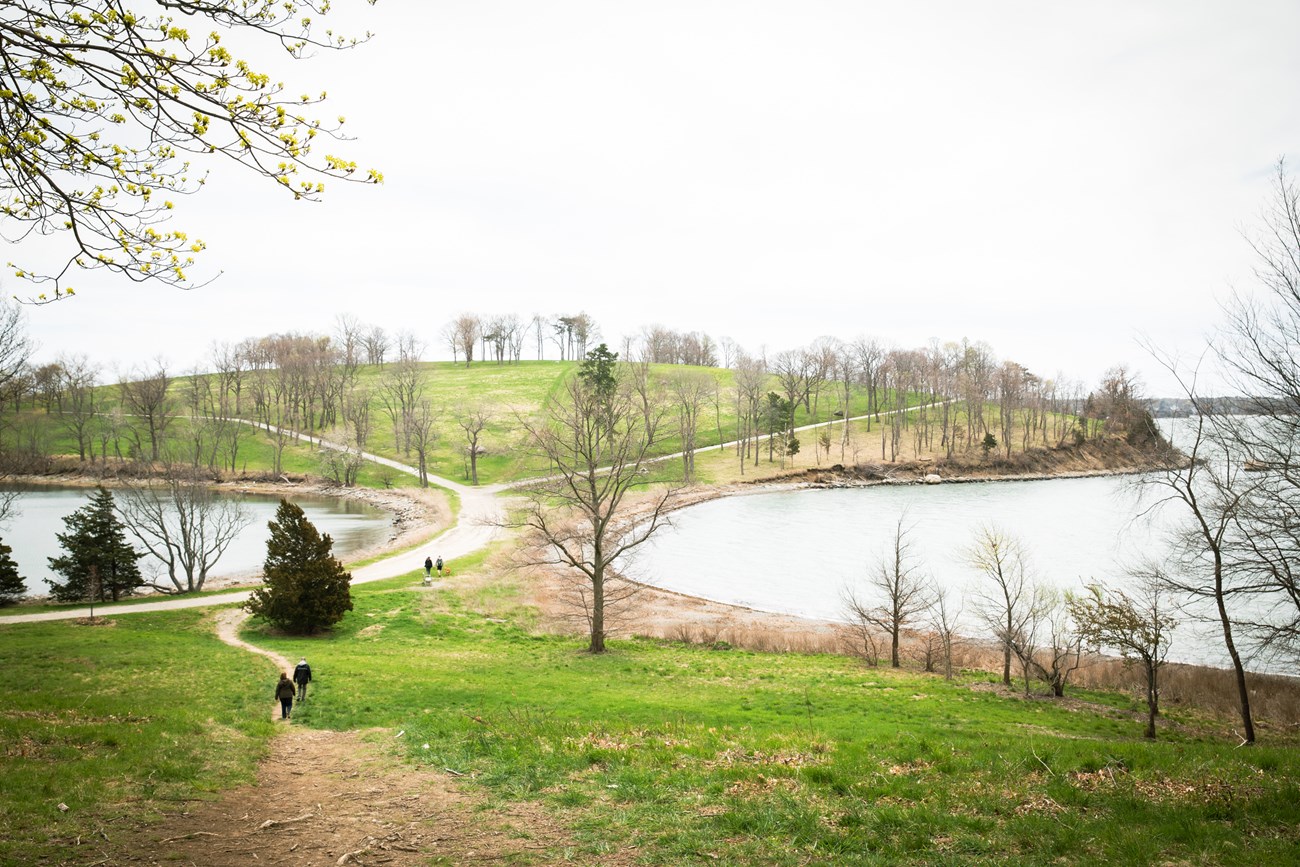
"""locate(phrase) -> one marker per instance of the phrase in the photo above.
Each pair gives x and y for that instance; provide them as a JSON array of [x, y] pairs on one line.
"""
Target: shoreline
[[415, 516], [661, 610]]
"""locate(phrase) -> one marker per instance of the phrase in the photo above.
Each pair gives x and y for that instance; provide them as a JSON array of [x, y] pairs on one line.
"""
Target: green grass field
[[693, 755]]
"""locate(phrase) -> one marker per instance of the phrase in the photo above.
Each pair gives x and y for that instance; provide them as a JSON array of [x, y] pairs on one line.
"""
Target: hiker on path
[[428, 567], [284, 692], [438, 565], [302, 677]]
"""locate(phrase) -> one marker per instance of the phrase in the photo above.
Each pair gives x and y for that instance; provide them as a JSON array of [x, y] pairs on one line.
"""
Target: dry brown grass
[[1274, 699]]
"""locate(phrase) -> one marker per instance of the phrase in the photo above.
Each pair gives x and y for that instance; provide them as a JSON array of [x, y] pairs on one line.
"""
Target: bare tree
[[1048, 643], [401, 385], [538, 323], [942, 622], [350, 335], [730, 351], [145, 395], [472, 420], [422, 436], [1138, 627], [183, 523], [451, 339], [869, 356], [750, 378], [79, 404], [1260, 347], [1004, 599], [230, 364], [690, 389], [377, 343], [594, 438], [1209, 491], [896, 593], [16, 346], [343, 463], [467, 329]]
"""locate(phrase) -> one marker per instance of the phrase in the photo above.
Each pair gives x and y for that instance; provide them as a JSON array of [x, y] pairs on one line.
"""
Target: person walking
[[284, 692], [302, 677], [428, 568], [438, 565]]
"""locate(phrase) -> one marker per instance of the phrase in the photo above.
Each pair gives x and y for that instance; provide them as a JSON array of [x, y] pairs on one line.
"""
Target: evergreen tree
[[95, 537], [12, 587], [597, 372], [305, 587]]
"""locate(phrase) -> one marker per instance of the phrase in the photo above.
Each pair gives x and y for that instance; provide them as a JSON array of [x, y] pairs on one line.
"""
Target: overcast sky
[[1054, 179]]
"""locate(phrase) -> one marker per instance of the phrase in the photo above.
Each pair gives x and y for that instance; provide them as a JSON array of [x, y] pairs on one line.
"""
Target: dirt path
[[228, 622], [337, 798], [334, 798]]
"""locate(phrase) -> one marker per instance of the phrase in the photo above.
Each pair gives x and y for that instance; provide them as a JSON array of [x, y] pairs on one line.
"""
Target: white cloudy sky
[[1056, 179]]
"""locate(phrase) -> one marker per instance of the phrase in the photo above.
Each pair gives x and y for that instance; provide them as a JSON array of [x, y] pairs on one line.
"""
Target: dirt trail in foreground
[[331, 798], [326, 799]]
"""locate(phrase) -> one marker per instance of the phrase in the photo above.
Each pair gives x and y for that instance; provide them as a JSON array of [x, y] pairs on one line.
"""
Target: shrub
[[306, 588]]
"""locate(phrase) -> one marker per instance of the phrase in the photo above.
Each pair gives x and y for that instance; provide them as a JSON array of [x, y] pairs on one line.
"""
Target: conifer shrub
[[305, 587]]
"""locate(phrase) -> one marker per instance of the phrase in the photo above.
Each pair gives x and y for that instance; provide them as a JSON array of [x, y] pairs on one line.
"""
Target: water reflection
[[41, 510]]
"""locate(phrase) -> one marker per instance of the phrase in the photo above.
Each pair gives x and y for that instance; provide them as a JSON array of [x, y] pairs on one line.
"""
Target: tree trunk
[[1239, 673], [597, 644], [1153, 699]]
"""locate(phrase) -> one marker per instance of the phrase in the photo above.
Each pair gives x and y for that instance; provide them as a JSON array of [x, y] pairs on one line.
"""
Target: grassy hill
[[694, 755], [503, 393]]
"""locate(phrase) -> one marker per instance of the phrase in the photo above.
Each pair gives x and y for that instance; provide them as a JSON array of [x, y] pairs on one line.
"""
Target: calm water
[[794, 551], [353, 526]]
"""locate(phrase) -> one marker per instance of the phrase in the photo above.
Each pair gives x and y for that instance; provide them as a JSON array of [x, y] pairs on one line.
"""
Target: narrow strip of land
[[478, 524]]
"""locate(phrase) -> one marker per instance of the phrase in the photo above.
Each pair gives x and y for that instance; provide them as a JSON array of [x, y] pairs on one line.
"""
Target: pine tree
[[12, 587], [95, 537], [305, 586]]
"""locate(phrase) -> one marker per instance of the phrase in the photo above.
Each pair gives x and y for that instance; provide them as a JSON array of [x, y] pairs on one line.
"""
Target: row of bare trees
[[1047, 632], [501, 337], [932, 400]]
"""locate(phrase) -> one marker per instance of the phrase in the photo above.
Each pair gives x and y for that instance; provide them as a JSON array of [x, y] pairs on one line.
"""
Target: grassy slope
[[694, 755], [501, 390], [119, 721]]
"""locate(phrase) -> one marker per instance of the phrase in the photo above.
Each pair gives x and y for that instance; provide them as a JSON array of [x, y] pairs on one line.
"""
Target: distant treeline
[[1182, 407]]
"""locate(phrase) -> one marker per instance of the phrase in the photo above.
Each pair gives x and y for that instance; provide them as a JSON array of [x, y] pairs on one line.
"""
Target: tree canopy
[[104, 103]]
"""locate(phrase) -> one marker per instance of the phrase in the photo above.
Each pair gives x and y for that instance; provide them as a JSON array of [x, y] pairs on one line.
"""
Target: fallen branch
[[275, 823], [189, 835]]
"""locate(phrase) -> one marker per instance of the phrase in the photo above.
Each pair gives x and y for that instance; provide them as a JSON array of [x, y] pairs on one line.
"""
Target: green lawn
[[694, 755], [121, 720]]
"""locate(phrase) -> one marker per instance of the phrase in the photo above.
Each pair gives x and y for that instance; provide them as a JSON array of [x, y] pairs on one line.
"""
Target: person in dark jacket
[[428, 567], [284, 692], [302, 677]]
